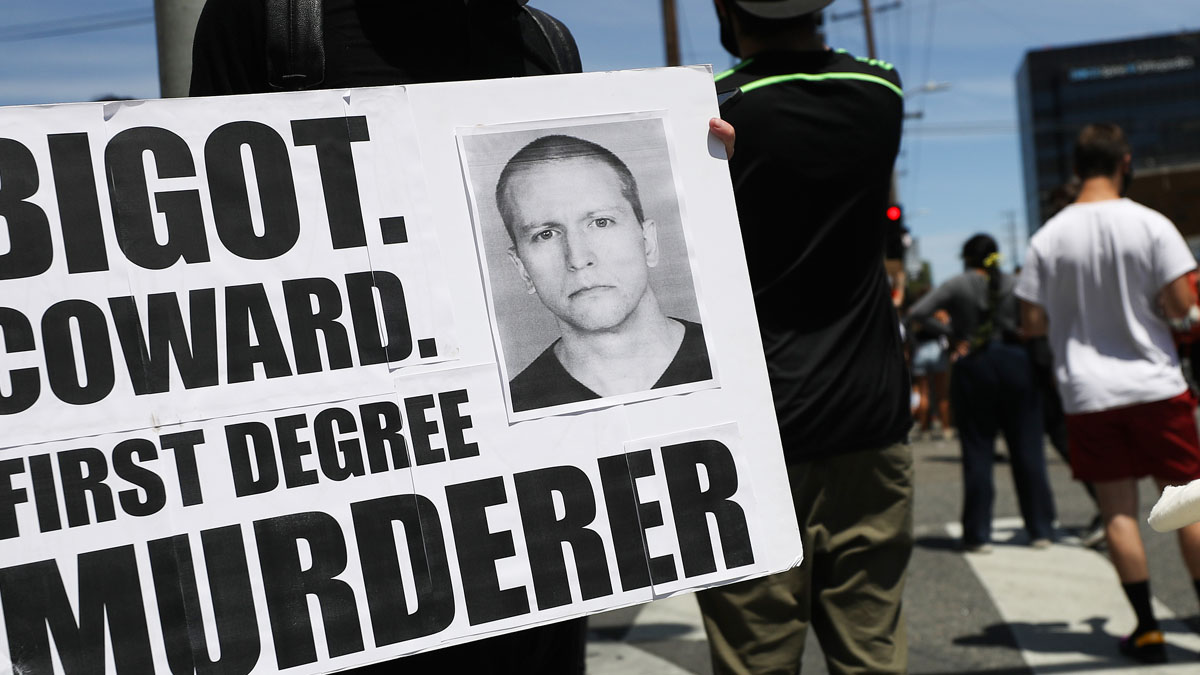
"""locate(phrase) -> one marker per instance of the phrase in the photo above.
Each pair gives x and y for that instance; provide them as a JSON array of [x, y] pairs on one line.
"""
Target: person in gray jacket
[[992, 390]]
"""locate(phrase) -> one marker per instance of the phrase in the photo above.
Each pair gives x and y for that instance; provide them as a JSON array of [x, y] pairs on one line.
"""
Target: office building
[[1150, 86]]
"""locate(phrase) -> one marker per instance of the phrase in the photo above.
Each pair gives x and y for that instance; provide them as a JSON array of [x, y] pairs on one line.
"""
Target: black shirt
[[545, 382], [374, 42], [818, 133]]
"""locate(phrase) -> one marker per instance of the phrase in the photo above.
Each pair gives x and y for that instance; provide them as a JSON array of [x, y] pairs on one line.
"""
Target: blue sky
[[959, 167]]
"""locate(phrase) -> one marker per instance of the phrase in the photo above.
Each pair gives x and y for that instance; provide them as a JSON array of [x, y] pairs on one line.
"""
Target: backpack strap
[[295, 44], [562, 44]]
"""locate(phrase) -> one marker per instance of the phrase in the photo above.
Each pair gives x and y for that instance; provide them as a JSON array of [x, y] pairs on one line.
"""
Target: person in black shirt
[[818, 133], [582, 243], [387, 42], [546, 383], [377, 42]]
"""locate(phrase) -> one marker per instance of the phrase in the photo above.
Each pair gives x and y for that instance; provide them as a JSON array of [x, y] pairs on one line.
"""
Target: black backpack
[[296, 45]]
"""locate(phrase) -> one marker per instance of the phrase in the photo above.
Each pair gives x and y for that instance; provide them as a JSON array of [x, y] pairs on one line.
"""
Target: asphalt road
[[1064, 606]]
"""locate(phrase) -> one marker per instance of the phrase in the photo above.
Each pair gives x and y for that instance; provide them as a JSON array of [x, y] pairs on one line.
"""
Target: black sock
[[1139, 596], [1196, 585]]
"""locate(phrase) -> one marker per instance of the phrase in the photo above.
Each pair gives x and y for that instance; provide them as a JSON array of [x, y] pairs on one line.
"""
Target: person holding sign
[[819, 131], [349, 43], [582, 243]]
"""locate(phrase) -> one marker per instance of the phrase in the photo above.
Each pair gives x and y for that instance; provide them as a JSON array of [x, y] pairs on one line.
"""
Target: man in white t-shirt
[[1107, 280]]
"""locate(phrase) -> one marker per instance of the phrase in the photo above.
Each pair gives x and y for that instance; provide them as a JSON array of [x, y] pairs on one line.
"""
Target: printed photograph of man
[[580, 240]]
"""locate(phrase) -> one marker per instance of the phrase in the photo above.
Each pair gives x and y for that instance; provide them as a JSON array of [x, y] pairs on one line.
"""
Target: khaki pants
[[855, 515]]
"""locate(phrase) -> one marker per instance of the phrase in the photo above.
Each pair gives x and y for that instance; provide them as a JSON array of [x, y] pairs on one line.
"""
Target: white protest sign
[[308, 381]]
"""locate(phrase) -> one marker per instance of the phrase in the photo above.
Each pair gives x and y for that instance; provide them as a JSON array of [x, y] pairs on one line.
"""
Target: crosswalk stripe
[[1065, 607], [619, 658], [674, 618]]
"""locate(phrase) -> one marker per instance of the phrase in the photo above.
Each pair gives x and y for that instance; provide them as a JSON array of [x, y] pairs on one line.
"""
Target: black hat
[[781, 9]]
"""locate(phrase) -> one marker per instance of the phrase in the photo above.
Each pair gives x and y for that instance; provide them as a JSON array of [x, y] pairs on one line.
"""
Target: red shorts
[[1149, 439]]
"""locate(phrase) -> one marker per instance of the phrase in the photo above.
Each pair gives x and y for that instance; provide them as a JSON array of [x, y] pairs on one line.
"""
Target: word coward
[[339, 319]]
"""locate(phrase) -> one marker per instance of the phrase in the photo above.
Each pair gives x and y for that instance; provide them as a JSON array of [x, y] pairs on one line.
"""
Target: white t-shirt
[[1097, 269]]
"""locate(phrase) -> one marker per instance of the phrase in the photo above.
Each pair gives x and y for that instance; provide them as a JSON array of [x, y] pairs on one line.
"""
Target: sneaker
[[1145, 647], [1041, 544], [981, 548], [1094, 535]]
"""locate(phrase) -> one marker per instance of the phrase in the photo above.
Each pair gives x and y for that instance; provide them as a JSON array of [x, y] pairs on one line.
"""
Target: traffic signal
[[897, 240]]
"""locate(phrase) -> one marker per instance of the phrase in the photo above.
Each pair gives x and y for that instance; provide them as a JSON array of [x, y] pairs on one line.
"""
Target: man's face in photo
[[578, 243]]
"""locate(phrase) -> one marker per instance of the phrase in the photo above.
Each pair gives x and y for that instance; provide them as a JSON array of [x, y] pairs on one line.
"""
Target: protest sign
[[311, 380]]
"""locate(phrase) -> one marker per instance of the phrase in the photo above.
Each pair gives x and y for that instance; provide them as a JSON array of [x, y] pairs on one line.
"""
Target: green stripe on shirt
[[808, 77], [720, 76]]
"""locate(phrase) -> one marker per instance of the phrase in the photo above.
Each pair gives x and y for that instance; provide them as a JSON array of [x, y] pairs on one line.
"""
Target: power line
[[76, 25], [982, 128], [685, 33], [858, 13], [928, 43]]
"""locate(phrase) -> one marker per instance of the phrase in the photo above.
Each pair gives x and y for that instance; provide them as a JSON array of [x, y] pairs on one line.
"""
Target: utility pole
[[1011, 216], [671, 32], [867, 23], [868, 26], [897, 275], [175, 24]]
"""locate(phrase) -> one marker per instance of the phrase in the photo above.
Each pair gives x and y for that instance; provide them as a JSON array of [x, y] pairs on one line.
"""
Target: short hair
[[760, 27], [557, 148], [1099, 150]]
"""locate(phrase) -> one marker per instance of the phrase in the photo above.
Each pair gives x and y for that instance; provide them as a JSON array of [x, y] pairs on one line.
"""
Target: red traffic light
[[894, 213]]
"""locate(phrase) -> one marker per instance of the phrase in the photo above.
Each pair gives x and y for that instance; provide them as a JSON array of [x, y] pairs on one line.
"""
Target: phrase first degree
[[31, 251]]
